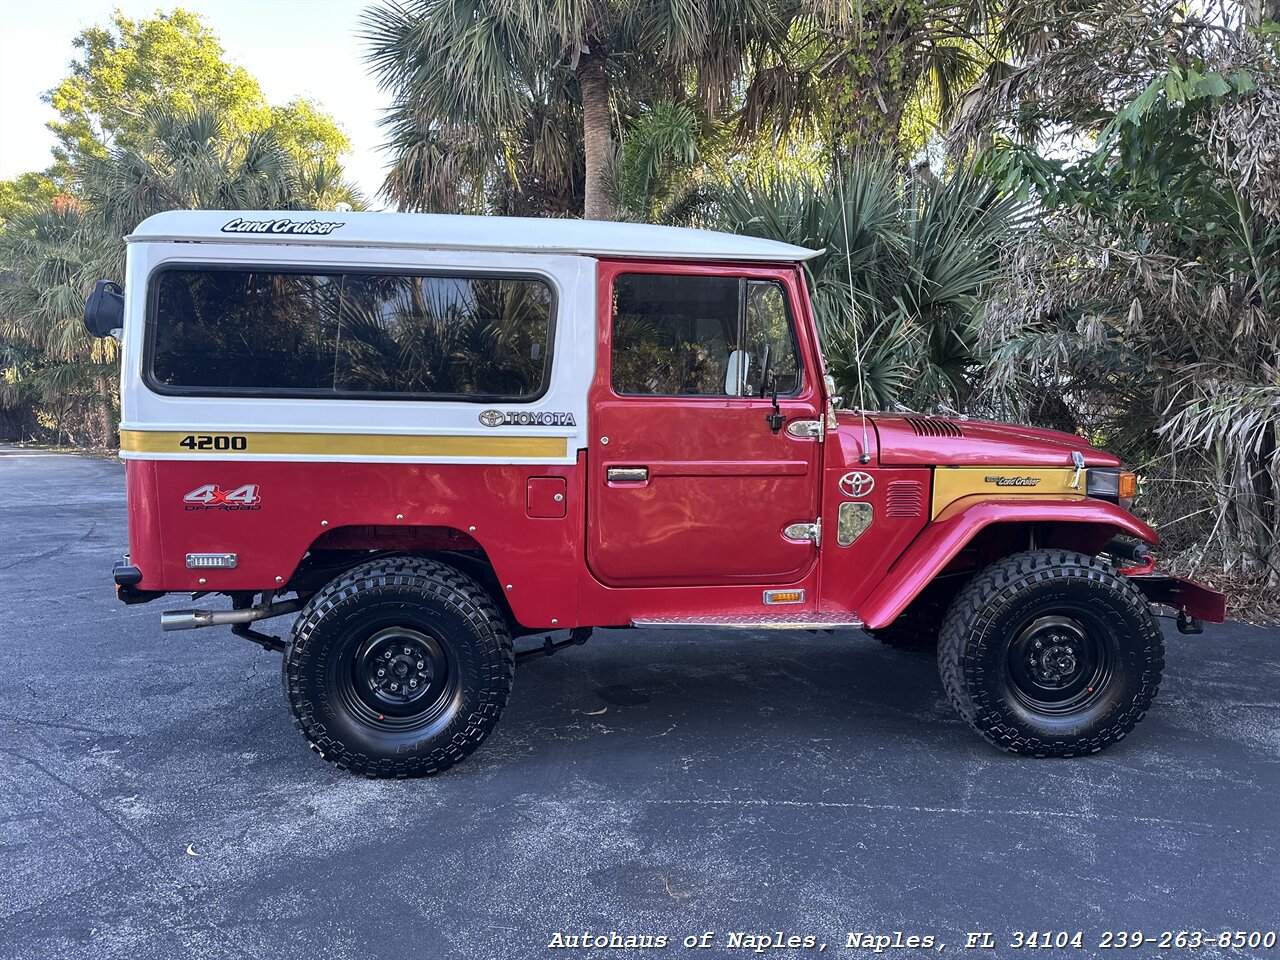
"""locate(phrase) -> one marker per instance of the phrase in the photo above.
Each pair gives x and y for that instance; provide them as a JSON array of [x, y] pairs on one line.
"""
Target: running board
[[751, 621]]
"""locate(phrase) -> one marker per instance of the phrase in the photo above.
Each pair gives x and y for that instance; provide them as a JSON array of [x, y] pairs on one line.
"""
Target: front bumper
[[1189, 598]]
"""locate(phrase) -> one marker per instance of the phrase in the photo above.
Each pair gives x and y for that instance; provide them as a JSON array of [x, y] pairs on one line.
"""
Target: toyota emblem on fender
[[493, 418], [857, 484]]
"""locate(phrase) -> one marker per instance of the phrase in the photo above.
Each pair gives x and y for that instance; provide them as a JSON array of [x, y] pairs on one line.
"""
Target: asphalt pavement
[[156, 802]]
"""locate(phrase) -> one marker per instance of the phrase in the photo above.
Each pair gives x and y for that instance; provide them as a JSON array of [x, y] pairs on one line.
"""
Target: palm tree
[[901, 290], [49, 357], [491, 93], [188, 160]]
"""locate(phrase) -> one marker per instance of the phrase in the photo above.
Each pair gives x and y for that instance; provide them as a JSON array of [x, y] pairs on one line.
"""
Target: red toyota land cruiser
[[424, 436]]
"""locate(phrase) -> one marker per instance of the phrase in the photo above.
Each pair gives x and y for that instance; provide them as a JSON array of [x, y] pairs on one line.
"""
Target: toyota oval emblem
[[857, 484], [493, 418]]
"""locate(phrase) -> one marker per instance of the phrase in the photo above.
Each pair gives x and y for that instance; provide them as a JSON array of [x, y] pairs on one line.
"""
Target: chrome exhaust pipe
[[194, 619]]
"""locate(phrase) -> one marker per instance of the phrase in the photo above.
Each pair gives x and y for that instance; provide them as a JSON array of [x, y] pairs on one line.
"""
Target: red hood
[[934, 440]]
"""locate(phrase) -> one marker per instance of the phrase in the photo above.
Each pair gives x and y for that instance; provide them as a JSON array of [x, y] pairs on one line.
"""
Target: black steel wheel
[[398, 668], [1051, 653]]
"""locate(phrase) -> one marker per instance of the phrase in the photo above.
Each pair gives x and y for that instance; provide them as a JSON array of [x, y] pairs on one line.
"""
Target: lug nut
[[407, 651], [413, 683], [420, 664], [395, 686], [387, 655], [381, 672]]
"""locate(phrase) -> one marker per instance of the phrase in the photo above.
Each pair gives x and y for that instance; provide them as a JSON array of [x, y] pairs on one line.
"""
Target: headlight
[[1112, 483]]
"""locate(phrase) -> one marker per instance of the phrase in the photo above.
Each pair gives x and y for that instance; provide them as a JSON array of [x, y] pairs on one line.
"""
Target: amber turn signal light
[[1128, 486]]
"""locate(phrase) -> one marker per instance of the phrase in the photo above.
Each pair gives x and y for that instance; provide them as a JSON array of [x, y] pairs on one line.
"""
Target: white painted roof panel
[[443, 232]]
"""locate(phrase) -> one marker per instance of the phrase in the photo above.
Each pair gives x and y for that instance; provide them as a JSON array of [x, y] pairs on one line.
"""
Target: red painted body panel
[[848, 573], [301, 502], [982, 443], [930, 553]]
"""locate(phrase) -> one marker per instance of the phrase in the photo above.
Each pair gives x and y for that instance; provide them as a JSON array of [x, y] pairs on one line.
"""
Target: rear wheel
[[1051, 653], [398, 668]]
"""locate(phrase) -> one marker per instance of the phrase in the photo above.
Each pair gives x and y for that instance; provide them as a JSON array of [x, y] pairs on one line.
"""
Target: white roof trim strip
[[444, 232]]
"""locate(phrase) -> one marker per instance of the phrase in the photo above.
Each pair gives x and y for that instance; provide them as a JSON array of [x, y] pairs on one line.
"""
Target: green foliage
[[23, 193], [901, 289], [172, 63], [130, 67], [1147, 306]]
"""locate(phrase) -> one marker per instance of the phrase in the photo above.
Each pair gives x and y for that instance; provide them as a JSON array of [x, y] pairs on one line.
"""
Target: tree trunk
[[1255, 11], [104, 395], [597, 134]]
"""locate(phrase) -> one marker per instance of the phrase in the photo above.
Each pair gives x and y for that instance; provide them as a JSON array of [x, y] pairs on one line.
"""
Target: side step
[[751, 621]]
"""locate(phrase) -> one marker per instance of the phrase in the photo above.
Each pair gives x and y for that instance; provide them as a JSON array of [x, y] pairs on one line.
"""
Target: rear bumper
[[127, 578], [1186, 596]]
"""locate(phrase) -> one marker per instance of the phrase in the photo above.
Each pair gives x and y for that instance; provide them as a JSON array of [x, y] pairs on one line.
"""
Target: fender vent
[[929, 427], [905, 498]]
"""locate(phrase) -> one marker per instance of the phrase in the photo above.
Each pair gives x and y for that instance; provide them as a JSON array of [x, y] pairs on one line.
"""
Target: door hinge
[[807, 428], [805, 531]]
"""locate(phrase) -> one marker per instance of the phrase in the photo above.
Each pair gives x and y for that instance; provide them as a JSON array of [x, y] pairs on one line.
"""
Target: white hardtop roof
[[443, 232]]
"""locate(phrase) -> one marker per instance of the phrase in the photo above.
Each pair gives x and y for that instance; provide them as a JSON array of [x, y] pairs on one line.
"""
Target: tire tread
[[973, 608], [444, 584]]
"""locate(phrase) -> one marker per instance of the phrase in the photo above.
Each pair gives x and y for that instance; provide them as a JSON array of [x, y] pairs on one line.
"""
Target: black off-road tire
[[457, 652], [1016, 627]]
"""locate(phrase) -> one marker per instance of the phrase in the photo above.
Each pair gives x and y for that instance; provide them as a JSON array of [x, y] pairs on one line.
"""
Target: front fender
[[940, 541]]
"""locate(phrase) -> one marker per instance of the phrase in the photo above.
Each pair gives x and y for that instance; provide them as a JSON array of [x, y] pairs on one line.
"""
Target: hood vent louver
[[905, 498], [929, 427]]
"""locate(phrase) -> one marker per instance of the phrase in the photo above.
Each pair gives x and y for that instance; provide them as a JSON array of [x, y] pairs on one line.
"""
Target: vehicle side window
[[769, 337], [349, 335], [683, 335]]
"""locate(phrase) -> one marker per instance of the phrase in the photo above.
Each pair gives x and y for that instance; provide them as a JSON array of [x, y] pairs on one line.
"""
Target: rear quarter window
[[215, 331]]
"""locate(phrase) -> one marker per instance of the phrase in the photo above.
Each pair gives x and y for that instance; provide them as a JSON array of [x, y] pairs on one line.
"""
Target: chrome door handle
[[627, 474]]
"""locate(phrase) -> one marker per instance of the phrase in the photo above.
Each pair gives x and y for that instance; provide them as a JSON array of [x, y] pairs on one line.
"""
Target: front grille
[[905, 498], [929, 427]]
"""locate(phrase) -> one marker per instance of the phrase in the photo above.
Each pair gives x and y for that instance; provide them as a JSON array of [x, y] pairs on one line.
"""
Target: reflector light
[[784, 596], [1128, 486], [201, 561]]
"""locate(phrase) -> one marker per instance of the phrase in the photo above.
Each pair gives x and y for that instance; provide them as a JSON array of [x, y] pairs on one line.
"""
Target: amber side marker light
[[784, 596], [1128, 486]]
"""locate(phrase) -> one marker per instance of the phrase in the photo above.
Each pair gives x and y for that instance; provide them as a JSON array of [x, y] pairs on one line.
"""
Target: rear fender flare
[[948, 534]]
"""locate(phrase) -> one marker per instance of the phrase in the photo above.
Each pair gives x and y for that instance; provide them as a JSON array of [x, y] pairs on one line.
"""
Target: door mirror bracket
[[775, 419]]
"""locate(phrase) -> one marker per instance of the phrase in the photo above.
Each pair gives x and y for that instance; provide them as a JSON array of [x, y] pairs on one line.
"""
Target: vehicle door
[[690, 480]]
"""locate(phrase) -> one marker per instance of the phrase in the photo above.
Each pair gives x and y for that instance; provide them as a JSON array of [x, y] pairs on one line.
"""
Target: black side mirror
[[104, 310]]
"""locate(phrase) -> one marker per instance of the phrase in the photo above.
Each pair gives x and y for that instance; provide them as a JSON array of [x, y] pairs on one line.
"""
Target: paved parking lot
[[155, 801]]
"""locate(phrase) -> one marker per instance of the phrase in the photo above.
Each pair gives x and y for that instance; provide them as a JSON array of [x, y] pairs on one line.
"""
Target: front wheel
[[398, 668], [1051, 653]]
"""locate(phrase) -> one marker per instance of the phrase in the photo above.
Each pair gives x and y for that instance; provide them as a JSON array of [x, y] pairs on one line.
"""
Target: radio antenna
[[853, 315]]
